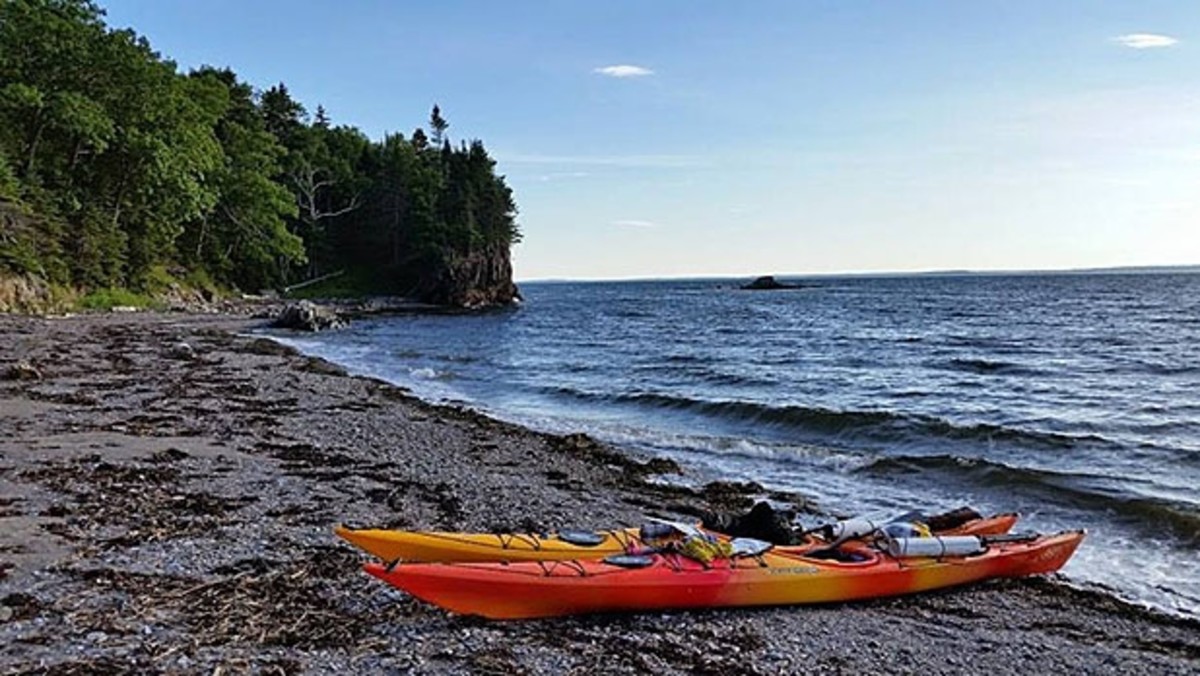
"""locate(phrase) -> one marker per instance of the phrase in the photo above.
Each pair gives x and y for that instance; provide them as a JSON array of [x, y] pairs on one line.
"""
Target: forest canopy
[[130, 169]]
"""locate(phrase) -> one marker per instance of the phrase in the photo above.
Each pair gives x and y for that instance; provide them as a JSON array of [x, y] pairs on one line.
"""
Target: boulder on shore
[[308, 316]]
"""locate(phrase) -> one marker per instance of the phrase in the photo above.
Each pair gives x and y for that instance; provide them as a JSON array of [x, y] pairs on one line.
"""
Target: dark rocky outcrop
[[767, 283], [308, 316], [479, 279], [762, 522]]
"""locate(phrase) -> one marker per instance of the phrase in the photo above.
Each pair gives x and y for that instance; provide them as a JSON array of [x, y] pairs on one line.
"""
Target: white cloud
[[623, 70], [1145, 40], [635, 224]]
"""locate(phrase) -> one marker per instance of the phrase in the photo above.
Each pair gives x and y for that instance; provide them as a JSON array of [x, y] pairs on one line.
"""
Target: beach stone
[[181, 351], [266, 346]]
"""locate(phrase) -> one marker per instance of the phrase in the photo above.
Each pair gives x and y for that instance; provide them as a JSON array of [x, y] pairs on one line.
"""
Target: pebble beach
[[169, 483]]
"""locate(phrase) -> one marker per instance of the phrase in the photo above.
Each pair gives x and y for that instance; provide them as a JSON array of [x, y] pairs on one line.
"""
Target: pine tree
[[437, 127]]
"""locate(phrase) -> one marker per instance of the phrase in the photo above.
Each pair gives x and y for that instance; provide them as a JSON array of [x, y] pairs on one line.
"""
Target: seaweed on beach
[[257, 601], [278, 603], [144, 502]]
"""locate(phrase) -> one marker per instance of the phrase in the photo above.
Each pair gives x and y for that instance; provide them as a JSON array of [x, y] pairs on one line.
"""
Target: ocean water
[[1073, 399]]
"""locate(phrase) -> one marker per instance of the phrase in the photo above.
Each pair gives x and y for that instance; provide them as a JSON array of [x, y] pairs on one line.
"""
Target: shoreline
[[171, 509]]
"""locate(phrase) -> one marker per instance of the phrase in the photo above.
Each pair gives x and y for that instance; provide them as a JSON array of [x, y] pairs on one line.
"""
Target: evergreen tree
[[419, 140], [437, 127]]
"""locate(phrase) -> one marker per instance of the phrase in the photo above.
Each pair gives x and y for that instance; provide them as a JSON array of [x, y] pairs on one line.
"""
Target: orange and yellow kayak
[[433, 546], [670, 581]]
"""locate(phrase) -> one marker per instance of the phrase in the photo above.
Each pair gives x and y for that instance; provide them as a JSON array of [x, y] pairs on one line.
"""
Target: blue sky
[[672, 138]]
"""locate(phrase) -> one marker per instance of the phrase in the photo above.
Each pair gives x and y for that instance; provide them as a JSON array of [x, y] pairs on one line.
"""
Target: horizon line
[[1183, 267]]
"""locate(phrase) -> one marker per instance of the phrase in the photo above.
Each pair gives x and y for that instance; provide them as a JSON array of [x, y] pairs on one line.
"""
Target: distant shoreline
[[1119, 270]]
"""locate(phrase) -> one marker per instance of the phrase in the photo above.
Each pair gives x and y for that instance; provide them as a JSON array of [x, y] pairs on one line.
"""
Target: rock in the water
[[768, 282], [22, 370], [308, 316]]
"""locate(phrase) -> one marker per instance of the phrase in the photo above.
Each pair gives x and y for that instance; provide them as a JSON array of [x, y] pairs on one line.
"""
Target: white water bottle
[[951, 545]]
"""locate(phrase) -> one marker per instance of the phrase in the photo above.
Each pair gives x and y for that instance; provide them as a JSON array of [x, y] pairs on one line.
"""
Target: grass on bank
[[349, 284], [157, 289]]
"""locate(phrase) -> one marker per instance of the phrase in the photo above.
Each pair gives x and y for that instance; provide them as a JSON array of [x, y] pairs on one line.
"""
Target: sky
[[677, 138]]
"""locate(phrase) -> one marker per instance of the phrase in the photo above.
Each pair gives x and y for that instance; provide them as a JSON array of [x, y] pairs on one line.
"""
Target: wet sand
[[168, 488]]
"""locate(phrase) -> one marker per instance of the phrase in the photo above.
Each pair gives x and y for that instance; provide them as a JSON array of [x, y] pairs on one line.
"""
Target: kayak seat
[[839, 555]]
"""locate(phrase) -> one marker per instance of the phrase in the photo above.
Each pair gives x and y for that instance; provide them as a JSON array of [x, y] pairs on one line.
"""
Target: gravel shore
[[168, 485]]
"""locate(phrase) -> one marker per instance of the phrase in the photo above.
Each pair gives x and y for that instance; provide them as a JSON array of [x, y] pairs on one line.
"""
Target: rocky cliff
[[482, 278]]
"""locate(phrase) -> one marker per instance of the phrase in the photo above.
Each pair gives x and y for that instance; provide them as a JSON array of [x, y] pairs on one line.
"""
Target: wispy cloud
[[635, 224], [561, 175], [623, 70], [1145, 40]]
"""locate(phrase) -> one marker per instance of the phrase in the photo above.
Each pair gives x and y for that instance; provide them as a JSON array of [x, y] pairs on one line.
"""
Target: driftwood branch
[[310, 282]]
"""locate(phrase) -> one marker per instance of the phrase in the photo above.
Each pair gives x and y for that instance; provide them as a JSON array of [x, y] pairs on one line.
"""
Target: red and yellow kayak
[[433, 546], [670, 581]]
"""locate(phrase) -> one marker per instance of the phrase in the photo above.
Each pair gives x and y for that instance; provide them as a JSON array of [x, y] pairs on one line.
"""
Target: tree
[[437, 127], [419, 140], [327, 183], [245, 239], [47, 58], [132, 167], [284, 116]]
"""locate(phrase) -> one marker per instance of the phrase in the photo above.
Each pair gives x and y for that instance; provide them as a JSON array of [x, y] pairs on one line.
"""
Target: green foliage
[[136, 169], [20, 254], [200, 280], [245, 239], [30, 245], [156, 280], [9, 188]]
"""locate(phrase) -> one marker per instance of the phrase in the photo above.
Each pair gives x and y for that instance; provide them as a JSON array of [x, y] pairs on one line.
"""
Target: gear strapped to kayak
[[432, 546]]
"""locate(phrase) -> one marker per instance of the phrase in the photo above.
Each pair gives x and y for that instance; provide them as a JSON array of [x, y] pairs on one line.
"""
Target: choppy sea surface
[[1073, 399]]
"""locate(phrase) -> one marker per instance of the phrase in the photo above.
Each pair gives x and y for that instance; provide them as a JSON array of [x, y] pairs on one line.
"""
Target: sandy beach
[[168, 486]]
